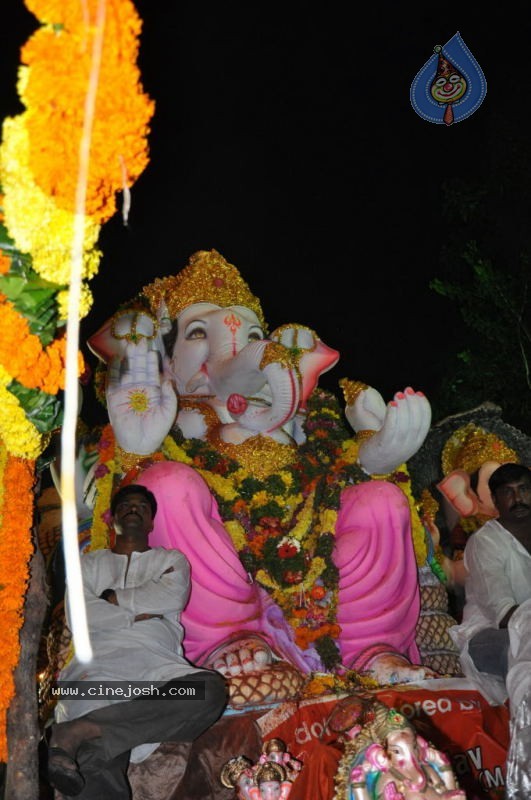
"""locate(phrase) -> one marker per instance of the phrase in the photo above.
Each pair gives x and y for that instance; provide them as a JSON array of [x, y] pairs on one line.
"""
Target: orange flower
[[334, 631], [256, 545], [106, 444], [16, 515], [302, 637], [59, 63], [24, 358], [318, 592], [5, 262]]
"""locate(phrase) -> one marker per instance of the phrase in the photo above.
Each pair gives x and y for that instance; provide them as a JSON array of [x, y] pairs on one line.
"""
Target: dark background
[[284, 137]]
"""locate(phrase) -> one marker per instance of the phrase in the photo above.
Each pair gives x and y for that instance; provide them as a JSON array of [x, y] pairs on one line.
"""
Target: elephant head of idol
[[469, 458], [212, 336]]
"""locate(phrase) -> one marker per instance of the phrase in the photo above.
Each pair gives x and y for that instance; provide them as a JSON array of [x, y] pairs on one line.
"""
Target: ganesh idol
[[301, 550]]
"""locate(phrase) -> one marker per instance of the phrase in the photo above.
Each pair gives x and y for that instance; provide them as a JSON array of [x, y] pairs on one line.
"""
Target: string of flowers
[[283, 525], [31, 364], [39, 156], [16, 486]]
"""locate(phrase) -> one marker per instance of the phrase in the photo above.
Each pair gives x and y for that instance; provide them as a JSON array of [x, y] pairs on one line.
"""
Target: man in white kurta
[[134, 596], [495, 635], [498, 562]]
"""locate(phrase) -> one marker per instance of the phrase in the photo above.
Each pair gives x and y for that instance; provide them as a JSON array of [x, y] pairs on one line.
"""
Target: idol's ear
[[455, 487], [130, 325], [486, 504]]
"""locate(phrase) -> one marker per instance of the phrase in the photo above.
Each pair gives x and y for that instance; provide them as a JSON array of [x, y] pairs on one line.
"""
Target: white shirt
[[125, 650], [499, 577]]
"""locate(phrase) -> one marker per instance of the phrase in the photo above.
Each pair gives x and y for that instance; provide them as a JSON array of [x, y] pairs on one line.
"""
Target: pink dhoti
[[378, 602]]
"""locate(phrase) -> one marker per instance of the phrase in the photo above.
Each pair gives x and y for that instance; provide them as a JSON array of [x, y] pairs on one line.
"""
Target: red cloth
[[460, 723]]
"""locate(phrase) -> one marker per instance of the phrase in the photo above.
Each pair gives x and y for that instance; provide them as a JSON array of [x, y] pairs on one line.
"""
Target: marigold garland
[[31, 364], [34, 220], [16, 517], [38, 173], [58, 56], [20, 436]]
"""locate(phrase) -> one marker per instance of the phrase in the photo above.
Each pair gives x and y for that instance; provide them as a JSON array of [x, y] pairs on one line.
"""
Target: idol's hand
[[141, 401]]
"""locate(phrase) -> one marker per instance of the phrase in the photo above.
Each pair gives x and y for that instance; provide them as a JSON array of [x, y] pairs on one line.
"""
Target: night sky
[[284, 137]]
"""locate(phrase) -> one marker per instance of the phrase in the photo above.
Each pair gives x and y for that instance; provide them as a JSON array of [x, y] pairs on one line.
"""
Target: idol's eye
[[196, 333], [255, 335]]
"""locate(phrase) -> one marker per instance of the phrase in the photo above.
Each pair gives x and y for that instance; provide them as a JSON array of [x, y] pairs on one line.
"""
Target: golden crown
[[232, 770], [207, 278], [471, 446], [270, 771]]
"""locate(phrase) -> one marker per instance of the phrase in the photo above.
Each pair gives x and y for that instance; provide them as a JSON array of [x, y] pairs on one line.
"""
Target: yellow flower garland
[[418, 531], [20, 436], [38, 173], [37, 224]]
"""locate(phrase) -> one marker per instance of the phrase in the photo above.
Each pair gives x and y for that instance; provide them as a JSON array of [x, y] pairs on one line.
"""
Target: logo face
[[450, 86]]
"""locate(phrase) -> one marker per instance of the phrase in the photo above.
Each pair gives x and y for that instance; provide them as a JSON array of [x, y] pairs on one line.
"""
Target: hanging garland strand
[[39, 156], [16, 516]]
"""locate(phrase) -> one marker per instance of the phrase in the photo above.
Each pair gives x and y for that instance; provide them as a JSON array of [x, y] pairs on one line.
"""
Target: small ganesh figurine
[[397, 764], [237, 773], [275, 750], [271, 783]]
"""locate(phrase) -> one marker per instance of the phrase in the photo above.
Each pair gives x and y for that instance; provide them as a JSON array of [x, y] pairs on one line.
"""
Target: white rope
[[77, 608]]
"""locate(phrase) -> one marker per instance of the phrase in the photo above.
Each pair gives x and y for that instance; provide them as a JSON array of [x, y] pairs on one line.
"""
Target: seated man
[[494, 636], [498, 564], [134, 596]]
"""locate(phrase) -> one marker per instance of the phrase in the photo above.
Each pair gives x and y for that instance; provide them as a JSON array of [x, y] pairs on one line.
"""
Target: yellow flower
[[287, 478], [331, 412], [85, 301], [236, 533], [174, 452], [266, 580], [302, 527], [317, 566], [33, 219], [328, 519], [20, 436], [350, 451], [99, 535], [260, 499], [223, 486]]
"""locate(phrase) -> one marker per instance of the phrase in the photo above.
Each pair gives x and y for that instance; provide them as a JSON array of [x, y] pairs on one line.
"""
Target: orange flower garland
[[31, 364], [16, 517], [58, 56], [39, 159]]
